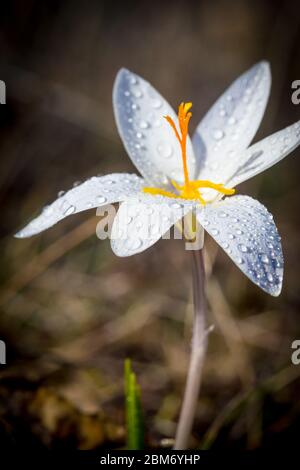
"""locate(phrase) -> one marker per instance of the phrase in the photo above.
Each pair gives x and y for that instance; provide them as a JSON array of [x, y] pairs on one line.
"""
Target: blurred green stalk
[[134, 418]]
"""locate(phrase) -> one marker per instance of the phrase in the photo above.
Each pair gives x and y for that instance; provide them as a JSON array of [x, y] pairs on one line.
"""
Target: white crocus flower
[[178, 177]]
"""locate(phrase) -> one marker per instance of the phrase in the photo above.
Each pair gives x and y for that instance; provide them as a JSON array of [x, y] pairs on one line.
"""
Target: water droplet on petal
[[157, 122], [243, 248], [164, 149], [128, 220], [70, 210], [134, 244], [218, 134], [48, 210], [133, 80], [265, 259], [101, 199], [144, 124], [137, 93], [156, 103]]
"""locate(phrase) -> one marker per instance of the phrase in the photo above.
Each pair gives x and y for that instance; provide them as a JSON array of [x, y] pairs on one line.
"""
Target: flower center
[[191, 188]]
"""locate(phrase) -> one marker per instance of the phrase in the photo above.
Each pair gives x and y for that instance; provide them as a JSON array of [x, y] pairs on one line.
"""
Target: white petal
[[141, 221], [230, 125], [246, 231], [148, 138], [265, 153], [95, 192]]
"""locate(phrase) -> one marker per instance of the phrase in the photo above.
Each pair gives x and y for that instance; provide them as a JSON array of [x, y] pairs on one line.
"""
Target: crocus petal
[[142, 220], [148, 138], [230, 125], [95, 192], [264, 154], [246, 231]]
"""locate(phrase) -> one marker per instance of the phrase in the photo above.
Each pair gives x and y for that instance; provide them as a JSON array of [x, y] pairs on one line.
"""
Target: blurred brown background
[[70, 310]]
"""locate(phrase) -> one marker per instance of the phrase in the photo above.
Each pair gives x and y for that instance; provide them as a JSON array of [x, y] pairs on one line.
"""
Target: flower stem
[[198, 350]]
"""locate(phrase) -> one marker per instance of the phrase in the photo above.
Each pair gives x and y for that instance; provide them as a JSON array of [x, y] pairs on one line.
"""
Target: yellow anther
[[190, 188]]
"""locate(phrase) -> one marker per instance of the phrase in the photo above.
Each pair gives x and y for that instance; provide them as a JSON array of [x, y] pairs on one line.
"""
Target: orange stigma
[[184, 117], [190, 189]]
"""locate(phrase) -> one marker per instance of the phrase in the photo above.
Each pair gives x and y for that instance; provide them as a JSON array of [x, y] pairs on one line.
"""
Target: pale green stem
[[198, 350]]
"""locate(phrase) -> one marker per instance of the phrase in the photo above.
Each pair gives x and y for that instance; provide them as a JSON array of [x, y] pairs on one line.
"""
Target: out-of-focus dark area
[[71, 311]]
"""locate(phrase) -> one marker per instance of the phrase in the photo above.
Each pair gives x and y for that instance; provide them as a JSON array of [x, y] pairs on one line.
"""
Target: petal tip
[[19, 235], [265, 63], [121, 72], [276, 292], [24, 233]]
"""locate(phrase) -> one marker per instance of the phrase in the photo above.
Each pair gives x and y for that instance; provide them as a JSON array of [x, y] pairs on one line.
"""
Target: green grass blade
[[134, 418]]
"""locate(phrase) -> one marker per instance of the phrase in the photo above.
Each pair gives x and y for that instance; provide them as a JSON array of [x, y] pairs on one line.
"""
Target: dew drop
[[101, 199], [128, 220], [156, 103], [157, 123], [214, 231], [134, 244], [243, 248], [218, 134], [48, 210], [70, 210], [144, 124], [164, 149], [137, 93], [265, 259], [133, 80]]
